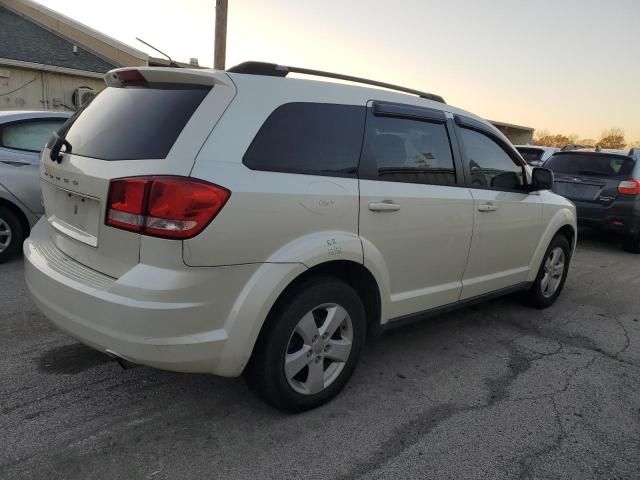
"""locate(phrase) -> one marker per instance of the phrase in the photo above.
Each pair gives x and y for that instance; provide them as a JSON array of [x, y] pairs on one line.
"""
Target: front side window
[[30, 135], [489, 164], [309, 138], [410, 151]]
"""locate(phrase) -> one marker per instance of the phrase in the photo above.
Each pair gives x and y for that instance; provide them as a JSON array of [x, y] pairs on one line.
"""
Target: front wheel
[[552, 274], [309, 347]]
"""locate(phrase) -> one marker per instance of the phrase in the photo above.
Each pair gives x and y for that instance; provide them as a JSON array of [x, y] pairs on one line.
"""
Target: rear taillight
[[629, 187], [168, 207]]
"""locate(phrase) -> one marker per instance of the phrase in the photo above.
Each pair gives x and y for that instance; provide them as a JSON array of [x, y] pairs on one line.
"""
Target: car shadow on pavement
[[70, 359], [598, 240]]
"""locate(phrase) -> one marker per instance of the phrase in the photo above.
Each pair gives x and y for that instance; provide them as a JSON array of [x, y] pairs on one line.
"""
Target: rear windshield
[[531, 154], [589, 164], [132, 123]]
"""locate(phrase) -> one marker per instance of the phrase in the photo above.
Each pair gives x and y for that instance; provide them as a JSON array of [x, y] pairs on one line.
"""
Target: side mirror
[[506, 181], [542, 179]]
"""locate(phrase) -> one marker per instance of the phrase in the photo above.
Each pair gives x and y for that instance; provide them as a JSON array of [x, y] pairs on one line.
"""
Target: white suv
[[240, 221]]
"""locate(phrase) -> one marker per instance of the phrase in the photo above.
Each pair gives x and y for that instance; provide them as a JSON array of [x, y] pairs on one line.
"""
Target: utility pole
[[220, 46]]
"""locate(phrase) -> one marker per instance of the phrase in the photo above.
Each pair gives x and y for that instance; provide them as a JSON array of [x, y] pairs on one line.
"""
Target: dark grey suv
[[605, 188]]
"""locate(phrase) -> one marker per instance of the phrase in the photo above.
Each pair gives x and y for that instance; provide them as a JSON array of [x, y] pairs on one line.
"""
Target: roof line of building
[[22, 7], [9, 62], [511, 125]]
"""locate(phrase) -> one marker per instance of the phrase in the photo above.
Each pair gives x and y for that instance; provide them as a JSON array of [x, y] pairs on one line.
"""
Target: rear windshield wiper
[[55, 154]]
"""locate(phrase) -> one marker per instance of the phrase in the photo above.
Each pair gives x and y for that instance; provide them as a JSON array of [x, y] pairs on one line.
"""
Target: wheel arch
[[269, 287], [570, 233], [352, 273], [20, 215], [563, 222]]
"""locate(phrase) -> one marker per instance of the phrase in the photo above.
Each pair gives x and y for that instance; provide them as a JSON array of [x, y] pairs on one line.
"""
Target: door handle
[[384, 206], [487, 207]]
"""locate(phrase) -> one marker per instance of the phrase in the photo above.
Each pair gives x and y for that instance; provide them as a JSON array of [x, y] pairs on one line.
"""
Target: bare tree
[[539, 135], [612, 138], [544, 138]]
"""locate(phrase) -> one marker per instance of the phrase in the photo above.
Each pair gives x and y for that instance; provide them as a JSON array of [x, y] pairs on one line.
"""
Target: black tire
[[9, 220], [631, 244], [265, 373], [535, 296]]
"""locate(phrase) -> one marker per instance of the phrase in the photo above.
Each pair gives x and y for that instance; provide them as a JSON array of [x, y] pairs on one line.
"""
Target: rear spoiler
[[144, 75]]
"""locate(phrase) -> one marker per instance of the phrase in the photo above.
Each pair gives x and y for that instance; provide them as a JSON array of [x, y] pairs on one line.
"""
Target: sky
[[568, 66]]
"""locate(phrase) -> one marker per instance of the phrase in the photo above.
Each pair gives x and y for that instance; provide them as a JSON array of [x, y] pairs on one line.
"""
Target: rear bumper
[[172, 319], [622, 216]]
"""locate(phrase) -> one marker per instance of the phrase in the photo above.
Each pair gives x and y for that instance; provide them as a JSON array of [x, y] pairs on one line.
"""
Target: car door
[[415, 216], [507, 218]]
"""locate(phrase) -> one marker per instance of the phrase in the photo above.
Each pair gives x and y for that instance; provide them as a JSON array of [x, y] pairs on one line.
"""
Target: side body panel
[[277, 217], [422, 248], [503, 240], [7, 196], [23, 181]]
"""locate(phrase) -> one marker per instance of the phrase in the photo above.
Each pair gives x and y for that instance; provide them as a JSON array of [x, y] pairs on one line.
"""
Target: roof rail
[[274, 70]]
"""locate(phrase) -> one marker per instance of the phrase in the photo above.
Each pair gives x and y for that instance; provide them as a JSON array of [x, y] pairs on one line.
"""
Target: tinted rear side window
[[590, 164], [132, 123], [411, 151], [29, 135], [311, 138]]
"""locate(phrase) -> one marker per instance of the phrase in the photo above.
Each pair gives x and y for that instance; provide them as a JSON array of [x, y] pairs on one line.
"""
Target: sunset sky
[[570, 66]]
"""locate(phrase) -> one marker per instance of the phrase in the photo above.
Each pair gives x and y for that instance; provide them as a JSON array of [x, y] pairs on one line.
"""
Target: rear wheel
[[552, 274], [11, 234], [632, 243], [310, 346]]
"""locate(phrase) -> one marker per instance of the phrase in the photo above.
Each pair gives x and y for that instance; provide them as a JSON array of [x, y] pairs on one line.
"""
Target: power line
[[20, 87]]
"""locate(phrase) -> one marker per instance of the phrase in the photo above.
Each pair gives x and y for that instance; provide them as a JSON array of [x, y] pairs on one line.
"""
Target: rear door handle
[[384, 206], [487, 207]]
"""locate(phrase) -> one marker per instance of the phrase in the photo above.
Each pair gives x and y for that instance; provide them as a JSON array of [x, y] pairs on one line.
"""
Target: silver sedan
[[23, 134]]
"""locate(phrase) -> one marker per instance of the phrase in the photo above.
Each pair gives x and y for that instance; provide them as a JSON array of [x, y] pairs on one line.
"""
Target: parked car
[[635, 153], [605, 187], [240, 221], [23, 134], [574, 146], [536, 155]]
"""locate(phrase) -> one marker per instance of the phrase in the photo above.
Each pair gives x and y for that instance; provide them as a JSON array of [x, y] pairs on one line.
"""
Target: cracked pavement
[[496, 391]]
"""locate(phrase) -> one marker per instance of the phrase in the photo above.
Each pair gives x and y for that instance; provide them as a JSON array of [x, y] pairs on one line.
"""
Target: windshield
[[132, 123], [531, 155], [589, 164]]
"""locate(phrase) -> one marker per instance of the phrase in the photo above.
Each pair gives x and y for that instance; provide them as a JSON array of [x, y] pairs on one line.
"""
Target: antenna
[[171, 62]]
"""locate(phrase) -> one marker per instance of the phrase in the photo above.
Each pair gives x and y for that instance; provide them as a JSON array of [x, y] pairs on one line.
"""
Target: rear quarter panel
[[273, 216]]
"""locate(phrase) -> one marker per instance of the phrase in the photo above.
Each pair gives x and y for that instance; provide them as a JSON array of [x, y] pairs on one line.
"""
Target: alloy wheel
[[318, 349], [5, 235], [553, 270]]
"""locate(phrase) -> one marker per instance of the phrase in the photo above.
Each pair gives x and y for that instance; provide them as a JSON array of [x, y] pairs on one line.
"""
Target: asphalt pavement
[[497, 391]]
